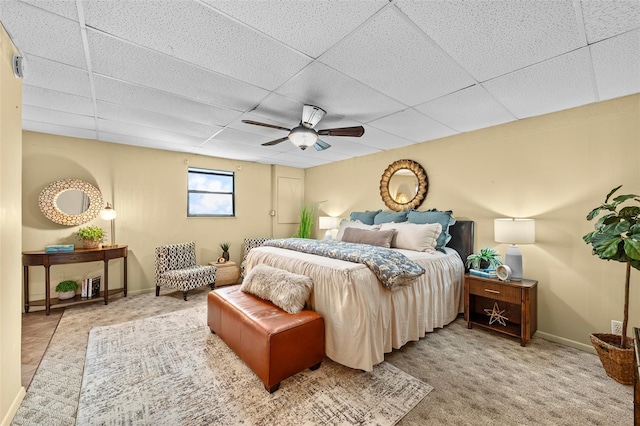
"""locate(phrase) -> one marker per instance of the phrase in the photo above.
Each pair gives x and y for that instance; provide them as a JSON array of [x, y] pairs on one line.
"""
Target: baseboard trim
[[13, 408], [566, 342]]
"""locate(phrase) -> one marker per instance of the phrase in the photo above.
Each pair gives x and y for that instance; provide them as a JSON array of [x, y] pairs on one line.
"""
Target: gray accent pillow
[[373, 238], [353, 224], [365, 217], [386, 217], [284, 289]]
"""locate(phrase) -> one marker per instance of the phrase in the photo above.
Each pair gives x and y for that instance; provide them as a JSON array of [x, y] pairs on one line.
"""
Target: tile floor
[[37, 330]]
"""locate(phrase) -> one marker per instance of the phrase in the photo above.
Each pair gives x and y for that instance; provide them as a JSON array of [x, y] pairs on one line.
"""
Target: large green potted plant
[[617, 237], [306, 222], [91, 236]]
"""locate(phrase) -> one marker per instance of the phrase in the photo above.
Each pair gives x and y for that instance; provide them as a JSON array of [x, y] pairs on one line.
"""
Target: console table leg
[[26, 289], [47, 289], [106, 282]]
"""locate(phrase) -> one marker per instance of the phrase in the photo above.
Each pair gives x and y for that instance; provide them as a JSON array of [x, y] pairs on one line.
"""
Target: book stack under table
[[90, 287]]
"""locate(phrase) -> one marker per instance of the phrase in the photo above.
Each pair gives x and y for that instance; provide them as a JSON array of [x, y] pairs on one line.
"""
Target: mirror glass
[[403, 185], [70, 202]]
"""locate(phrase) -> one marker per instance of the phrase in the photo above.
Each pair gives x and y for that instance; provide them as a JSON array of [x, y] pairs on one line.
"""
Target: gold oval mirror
[[70, 202], [404, 185]]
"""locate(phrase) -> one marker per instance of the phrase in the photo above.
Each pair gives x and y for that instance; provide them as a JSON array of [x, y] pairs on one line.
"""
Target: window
[[210, 193]]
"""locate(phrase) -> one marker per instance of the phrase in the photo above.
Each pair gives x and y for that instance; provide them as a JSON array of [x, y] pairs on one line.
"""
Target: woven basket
[[617, 362]]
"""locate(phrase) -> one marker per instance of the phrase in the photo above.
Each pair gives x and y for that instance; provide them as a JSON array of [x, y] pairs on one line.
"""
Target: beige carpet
[[478, 377], [171, 369]]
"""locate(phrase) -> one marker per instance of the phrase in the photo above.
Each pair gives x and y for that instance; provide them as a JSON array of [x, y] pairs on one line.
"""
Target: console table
[[42, 258]]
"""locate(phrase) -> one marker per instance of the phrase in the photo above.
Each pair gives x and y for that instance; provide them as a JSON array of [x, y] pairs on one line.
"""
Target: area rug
[[171, 369]]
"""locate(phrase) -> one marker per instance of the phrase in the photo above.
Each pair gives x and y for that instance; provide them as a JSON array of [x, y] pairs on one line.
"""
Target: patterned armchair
[[250, 243], [176, 268]]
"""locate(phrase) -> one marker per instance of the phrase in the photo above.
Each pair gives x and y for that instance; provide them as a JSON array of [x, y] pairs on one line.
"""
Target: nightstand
[[508, 307], [227, 273]]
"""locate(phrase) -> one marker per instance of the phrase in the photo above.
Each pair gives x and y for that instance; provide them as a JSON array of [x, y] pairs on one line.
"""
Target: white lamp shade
[[514, 231], [328, 222], [108, 213]]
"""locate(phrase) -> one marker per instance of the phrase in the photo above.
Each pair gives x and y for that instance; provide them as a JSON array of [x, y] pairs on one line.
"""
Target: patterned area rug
[[171, 369]]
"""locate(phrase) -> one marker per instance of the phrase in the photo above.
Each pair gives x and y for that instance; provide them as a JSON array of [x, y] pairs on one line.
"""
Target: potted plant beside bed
[[617, 237], [485, 258], [66, 289]]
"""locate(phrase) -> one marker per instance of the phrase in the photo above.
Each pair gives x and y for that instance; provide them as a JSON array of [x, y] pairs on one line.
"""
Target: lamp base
[[513, 259]]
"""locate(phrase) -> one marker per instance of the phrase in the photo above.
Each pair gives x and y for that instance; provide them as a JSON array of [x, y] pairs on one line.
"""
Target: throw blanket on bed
[[392, 268]]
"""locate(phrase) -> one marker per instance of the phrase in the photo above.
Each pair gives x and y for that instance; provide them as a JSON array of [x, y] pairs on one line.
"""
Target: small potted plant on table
[[91, 236], [225, 250], [485, 258], [66, 289]]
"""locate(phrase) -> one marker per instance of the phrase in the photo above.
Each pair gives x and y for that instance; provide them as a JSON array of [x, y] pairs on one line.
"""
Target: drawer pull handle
[[491, 291]]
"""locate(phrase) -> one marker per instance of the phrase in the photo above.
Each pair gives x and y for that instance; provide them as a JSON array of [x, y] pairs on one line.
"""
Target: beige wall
[[148, 190], [554, 168], [11, 392]]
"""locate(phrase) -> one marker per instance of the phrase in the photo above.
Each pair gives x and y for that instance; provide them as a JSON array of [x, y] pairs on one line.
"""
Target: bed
[[363, 319]]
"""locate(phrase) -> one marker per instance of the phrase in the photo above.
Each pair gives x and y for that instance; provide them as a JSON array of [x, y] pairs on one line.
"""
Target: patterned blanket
[[392, 268]]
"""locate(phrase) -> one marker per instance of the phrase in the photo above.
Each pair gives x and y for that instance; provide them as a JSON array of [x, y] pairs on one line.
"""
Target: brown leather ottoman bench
[[273, 343]]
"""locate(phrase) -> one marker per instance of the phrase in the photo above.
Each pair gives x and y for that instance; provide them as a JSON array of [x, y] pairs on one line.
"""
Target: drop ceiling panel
[[492, 38], [466, 110], [349, 148], [604, 19], [333, 91], [40, 33], [124, 61], [55, 76], [245, 139], [379, 139], [310, 27], [56, 129], [616, 63], [410, 124], [66, 119], [155, 120], [145, 143], [557, 84], [389, 45], [198, 34], [120, 128], [45, 98], [68, 8], [299, 160], [140, 97], [236, 151]]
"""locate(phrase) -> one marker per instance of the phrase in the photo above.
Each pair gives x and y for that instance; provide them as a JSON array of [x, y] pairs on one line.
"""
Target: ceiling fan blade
[[272, 126], [275, 141], [320, 145], [354, 132]]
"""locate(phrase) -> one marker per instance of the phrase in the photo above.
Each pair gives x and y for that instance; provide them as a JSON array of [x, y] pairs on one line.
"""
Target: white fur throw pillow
[[412, 236], [284, 289]]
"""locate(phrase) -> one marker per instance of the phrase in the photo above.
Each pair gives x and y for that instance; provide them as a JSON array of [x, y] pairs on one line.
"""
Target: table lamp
[[329, 223], [108, 213], [514, 231]]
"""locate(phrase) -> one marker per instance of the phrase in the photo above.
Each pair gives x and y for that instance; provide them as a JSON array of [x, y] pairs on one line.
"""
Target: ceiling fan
[[304, 135]]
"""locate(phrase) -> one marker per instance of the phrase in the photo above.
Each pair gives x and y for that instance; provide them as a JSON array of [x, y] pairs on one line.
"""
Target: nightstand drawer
[[495, 291]]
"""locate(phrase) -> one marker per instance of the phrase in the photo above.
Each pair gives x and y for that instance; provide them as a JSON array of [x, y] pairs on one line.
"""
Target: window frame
[[226, 173]]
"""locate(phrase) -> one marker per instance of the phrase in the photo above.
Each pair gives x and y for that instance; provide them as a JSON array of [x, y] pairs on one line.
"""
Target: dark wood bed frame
[[462, 238]]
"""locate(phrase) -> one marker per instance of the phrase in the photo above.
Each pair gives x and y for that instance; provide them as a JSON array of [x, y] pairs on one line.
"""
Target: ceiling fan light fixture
[[302, 137], [311, 115]]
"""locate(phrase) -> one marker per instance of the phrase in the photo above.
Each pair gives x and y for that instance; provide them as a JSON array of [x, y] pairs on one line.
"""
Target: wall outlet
[[616, 327]]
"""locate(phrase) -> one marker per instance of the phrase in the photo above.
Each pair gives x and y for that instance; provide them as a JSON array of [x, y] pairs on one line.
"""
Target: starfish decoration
[[496, 315]]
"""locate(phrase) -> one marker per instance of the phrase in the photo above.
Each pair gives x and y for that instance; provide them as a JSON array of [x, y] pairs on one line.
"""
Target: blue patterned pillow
[[444, 218], [365, 217], [387, 217]]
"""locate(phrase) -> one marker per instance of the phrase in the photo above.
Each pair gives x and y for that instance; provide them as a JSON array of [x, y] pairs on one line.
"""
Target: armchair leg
[[157, 290], [184, 295]]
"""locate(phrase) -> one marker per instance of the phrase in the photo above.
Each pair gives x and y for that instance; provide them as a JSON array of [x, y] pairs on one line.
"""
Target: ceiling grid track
[[87, 55]]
